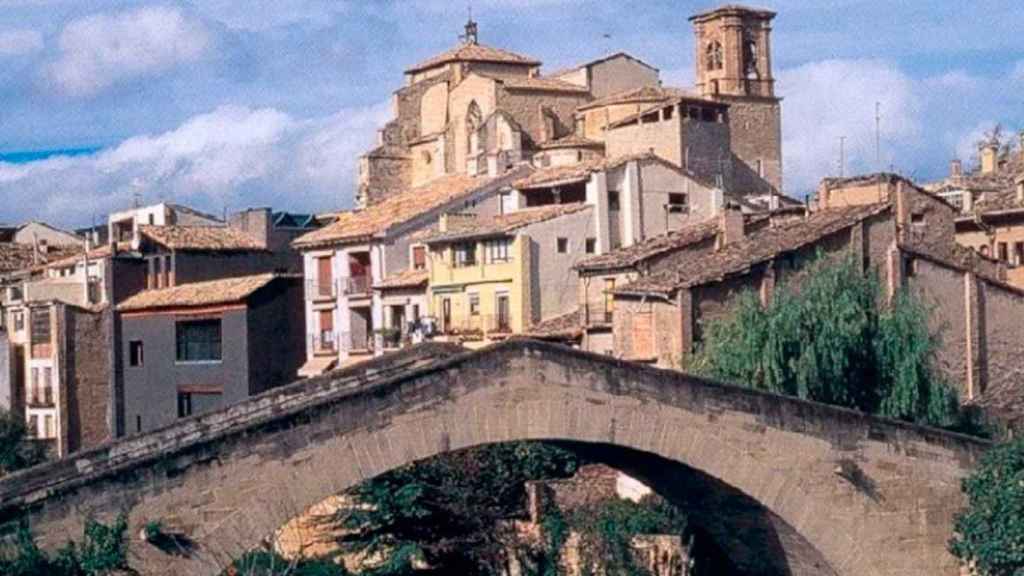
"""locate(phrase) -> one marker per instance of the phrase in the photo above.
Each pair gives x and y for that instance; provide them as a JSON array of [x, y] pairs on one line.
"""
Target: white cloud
[[20, 42], [827, 100], [103, 49], [231, 157]]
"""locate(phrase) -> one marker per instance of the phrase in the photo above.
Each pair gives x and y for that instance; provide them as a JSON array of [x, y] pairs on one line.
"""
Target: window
[[184, 404], [419, 258], [40, 325], [416, 313], [152, 219], [474, 304], [910, 267], [199, 341], [917, 218], [36, 391], [465, 254], [19, 321], [609, 299], [677, 202], [1018, 253], [759, 166], [48, 429], [668, 112], [591, 245], [138, 423], [498, 250], [613, 200], [713, 57], [1004, 252], [48, 386], [563, 245], [33, 426], [135, 353], [158, 272]]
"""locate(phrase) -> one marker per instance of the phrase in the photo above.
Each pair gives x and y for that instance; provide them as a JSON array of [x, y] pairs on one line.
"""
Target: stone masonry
[[817, 489]]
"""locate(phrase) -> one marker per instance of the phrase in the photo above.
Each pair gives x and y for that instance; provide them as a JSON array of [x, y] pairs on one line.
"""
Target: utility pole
[[878, 135], [842, 156]]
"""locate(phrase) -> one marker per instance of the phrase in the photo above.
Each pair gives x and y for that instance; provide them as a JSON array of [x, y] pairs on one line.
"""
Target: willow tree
[[828, 336]]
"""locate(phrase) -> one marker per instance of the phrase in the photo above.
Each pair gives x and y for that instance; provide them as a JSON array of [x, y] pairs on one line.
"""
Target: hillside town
[[596, 209]]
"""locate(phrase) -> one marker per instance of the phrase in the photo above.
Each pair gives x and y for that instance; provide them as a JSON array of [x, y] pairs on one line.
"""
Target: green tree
[[262, 563], [445, 511], [17, 450], [103, 549], [829, 337], [989, 534]]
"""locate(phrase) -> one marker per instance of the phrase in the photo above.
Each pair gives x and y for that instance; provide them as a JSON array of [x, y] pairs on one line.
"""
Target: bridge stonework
[[841, 493]]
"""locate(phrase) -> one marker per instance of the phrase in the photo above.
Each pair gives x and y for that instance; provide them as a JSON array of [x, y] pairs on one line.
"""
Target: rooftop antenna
[[842, 156], [878, 135]]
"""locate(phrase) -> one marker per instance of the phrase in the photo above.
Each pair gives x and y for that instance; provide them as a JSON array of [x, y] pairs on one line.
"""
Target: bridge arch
[[841, 493]]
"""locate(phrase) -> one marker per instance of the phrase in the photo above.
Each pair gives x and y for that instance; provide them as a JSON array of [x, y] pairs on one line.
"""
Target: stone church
[[479, 110]]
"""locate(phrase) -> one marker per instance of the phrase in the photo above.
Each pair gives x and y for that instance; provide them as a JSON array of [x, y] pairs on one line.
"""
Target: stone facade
[[820, 490]]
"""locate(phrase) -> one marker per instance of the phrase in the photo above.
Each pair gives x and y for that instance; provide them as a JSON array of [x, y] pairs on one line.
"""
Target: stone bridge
[[782, 486]]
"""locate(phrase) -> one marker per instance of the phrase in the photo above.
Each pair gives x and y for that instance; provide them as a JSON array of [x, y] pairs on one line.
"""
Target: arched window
[[713, 56], [750, 58], [473, 119]]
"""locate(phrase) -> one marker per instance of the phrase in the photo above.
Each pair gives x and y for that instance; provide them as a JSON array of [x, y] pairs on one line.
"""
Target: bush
[[103, 549], [989, 534], [17, 450], [264, 563]]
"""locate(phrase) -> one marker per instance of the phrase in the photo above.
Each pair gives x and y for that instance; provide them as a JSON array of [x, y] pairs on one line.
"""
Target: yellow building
[[493, 277]]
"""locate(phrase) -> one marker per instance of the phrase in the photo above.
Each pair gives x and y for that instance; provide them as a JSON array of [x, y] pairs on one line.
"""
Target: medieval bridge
[[782, 486]]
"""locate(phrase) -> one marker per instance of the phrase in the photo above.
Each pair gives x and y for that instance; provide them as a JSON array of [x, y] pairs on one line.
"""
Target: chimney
[[989, 157], [730, 226], [956, 168], [256, 222]]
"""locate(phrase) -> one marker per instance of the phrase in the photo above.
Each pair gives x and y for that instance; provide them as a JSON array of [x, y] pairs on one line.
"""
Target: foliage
[[17, 450], [606, 531], [989, 534], [443, 512], [827, 338], [263, 563], [103, 549]]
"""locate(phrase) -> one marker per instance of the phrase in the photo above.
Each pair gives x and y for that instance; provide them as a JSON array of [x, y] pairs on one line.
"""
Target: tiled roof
[[558, 175], [201, 238], [662, 244], [477, 227], [763, 245], [572, 141], [407, 279], [17, 257], [564, 327], [658, 105], [97, 253], [645, 94], [213, 292], [542, 85], [474, 53], [356, 225]]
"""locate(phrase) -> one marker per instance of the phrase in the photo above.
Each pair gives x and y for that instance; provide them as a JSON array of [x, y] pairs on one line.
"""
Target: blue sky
[[225, 103]]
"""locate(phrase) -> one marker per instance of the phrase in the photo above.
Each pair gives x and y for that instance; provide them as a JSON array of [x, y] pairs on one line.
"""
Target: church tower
[[734, 65]]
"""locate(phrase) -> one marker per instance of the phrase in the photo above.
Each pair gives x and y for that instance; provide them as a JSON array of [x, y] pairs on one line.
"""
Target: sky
[[225, 104]]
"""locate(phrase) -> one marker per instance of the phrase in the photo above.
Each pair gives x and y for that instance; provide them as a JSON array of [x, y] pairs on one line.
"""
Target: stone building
[[990, 200], [892, 226]]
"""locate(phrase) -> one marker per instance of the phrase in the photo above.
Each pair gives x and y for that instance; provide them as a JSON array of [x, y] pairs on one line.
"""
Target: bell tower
[[734, 65], [734, 52]]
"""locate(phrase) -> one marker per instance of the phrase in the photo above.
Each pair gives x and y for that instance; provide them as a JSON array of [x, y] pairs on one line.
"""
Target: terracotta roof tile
[[572, 141], [653, 247], [497, 225], [201, 238], [474, 53], [542, 84], [564, 327], [645, 94], [18, 257], [763, 245], [357, 225], [224, 291], [406, 279]]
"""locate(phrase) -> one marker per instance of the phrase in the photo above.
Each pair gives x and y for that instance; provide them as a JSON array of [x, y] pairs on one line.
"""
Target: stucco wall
[[620, 74], [151, 390], [525, 106], [553, 279], [664, 138], [277, 331], [657, 182], [6, 373]]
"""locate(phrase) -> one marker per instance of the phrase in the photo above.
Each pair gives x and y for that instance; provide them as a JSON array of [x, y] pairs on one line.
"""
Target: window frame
[[464, 255], [136, 353], [181, 352], [590, 246]]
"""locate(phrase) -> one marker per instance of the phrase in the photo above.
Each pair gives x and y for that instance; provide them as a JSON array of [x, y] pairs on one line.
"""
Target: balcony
[[478, 327], [41, 397], [358, 286], [324, 343], [321, 289]]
